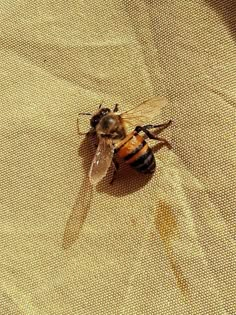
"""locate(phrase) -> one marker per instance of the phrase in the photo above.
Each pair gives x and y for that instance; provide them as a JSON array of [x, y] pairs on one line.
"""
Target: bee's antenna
[[85, 114], [100, 105]]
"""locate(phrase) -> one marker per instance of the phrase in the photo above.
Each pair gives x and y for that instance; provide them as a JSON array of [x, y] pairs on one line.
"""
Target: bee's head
[[98, 116]]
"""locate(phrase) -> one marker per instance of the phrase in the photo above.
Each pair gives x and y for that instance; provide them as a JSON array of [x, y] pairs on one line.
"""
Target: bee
[[110, 128]]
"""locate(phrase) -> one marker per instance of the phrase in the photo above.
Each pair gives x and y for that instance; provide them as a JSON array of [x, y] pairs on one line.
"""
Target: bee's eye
[[94, 121]]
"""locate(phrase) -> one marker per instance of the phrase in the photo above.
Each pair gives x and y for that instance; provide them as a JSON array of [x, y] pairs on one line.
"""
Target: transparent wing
[[144, 112], [101, 161]]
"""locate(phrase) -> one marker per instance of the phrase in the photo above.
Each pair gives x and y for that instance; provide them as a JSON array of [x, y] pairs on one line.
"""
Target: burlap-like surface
[[164, 245]]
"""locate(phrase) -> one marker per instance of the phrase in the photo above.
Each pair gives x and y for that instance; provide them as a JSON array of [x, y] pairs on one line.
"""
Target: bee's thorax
[[111, 126]]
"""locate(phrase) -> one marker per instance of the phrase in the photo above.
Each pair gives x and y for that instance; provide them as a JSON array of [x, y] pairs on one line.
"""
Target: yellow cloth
[[159, 246]]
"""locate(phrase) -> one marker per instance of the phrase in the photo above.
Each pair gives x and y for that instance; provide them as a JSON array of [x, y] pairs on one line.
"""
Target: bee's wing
[[144, 113], [101, 161]]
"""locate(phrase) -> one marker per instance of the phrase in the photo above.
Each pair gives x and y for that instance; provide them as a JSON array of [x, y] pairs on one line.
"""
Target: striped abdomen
[[136, 152]]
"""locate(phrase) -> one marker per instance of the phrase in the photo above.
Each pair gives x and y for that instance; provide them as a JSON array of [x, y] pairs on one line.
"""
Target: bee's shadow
[[127, 180]]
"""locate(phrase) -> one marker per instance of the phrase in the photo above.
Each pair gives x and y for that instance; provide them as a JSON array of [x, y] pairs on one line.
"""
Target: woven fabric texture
[[143, 246]]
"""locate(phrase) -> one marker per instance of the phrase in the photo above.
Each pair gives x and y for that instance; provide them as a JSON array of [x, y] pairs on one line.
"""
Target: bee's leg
[[78, 130], [77, 123], [116, 166], [160, 127], [154, 136], [115, 108], [89, 133]]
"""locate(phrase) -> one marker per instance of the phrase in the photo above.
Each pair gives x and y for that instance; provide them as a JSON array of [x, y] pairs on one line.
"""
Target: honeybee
[[110, 128]]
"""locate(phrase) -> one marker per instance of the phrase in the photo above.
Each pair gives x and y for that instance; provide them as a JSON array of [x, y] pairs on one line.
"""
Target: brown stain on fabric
[[167, 227], [134, 221], [165, 222], [179, 277]]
